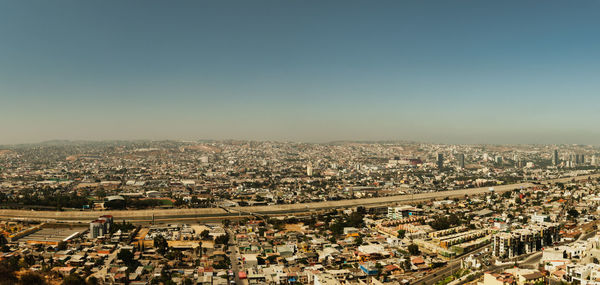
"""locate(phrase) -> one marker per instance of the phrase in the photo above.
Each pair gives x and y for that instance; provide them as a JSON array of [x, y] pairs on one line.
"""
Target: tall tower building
[[520, 163], [309, 169], [498, 159], [571, 160], [555, 158], [461, 160], [440, 161]]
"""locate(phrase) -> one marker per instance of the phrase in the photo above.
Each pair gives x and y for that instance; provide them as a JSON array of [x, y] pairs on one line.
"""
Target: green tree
[[92, 280], [222, 239], [222, 264], [358, 241], [204, 234], [29, 260], [73, 279], [3, 243], [199, 249], [332, 239], [356, 219], [161, 244], [32, 278], [337, 227], [573, 214], [123, 227], [413, 249], [7, 273], [272, 259], [407, 265], [444, 222], [61, 245], [128, 258]]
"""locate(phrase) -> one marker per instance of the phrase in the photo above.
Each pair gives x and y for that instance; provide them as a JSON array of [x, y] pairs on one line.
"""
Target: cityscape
[[299, 142], [249, 212]]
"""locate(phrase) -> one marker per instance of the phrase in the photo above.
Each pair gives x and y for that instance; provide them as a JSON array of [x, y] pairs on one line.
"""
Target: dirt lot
[[294, 227]]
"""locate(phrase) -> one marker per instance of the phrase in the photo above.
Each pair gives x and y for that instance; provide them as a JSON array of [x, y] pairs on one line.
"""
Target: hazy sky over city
[[436, 71]]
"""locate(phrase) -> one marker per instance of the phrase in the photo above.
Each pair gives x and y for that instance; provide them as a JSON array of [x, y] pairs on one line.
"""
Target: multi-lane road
[[211, 214]]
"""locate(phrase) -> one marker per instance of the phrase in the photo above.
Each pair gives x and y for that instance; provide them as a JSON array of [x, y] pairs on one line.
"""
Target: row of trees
[[133, 203], [194, 202], [445, 222], [45, 199], [355, 219]]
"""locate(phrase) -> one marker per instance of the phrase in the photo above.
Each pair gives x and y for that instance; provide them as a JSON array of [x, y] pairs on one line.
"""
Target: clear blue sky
[[439, 71]]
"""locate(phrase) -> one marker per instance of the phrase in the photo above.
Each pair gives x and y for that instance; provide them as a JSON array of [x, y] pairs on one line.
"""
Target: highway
[[212, 214]]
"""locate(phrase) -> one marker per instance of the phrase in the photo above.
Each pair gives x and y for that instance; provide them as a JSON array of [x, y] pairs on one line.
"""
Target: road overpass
[[141, 216]]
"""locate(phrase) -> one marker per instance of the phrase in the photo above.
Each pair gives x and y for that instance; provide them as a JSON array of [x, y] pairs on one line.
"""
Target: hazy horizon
[[208, 140], [467, 72]]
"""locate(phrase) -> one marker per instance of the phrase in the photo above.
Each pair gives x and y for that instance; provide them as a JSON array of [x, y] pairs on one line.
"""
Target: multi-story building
[[440, 161], [539, 218], [101, 226], [523, 241], [396, 213]]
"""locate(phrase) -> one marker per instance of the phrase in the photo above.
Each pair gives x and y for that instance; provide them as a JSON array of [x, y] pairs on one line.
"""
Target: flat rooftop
[[52, 234]]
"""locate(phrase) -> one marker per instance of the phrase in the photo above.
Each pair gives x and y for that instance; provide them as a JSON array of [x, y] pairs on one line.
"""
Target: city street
[[447, 270], [234, 255]]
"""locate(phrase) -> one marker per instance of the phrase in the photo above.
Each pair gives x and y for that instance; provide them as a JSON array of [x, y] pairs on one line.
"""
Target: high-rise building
[[571, 160], [461, 160], [309, 169], [97, 228], [101, 226], [555, 158], [582, 159], [498, 159], [576, 158], [440, 160]]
